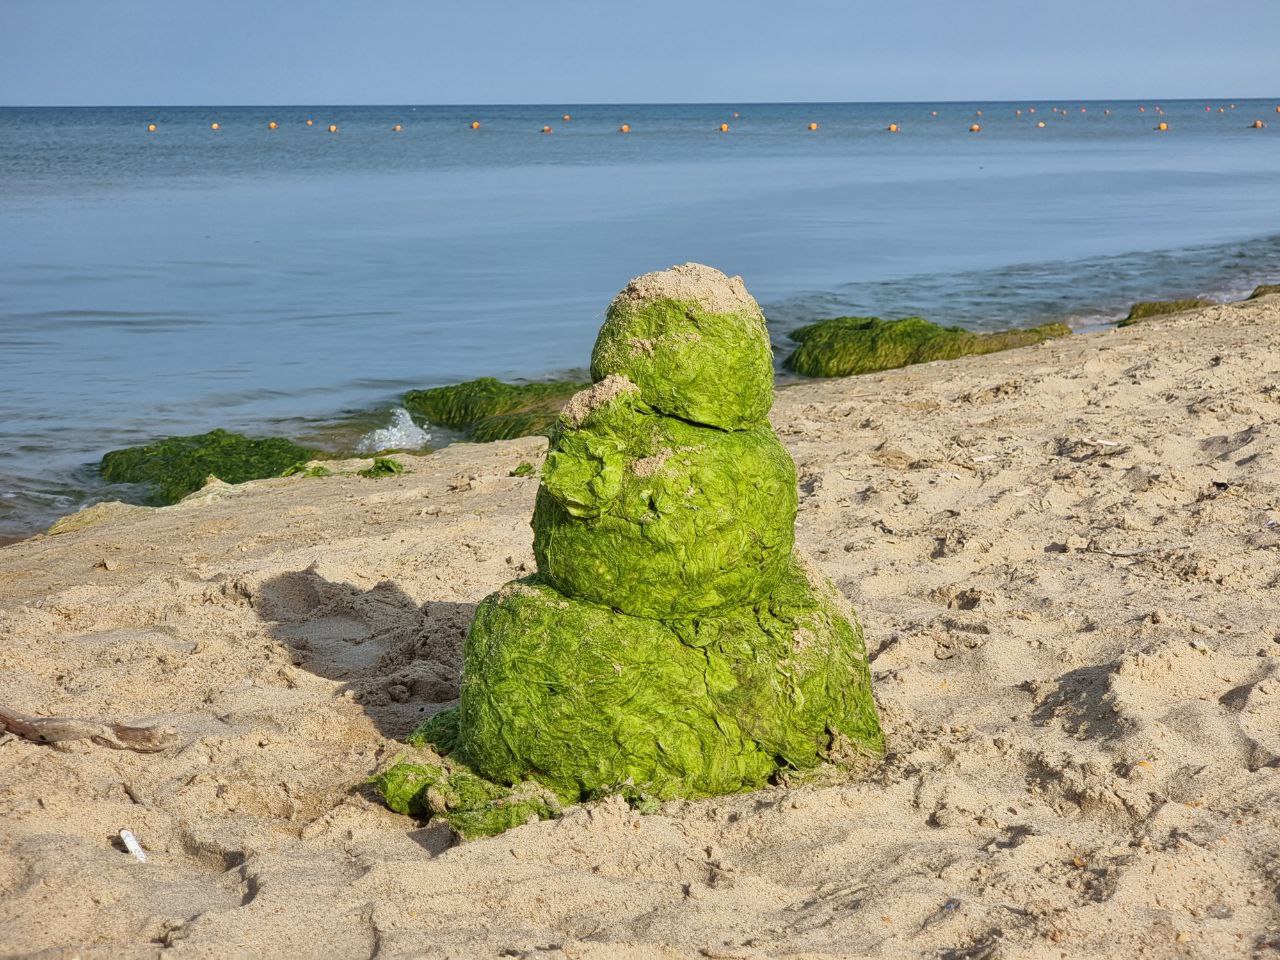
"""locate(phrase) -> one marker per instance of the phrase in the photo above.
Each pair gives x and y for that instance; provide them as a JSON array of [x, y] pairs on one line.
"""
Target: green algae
[[589, 701], [660, 518], [690, 360], [177, 466], [473, 806], [1146, 309], [488, 409], [303, 469], [523, 469], [382, 467], [845, 346], [671, 644], [1264, 290]]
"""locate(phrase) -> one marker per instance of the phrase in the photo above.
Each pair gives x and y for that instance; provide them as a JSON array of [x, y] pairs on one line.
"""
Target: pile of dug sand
[[1067, 559]]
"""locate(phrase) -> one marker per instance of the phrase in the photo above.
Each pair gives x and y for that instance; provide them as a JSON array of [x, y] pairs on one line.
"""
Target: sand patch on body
[[1067, 562]]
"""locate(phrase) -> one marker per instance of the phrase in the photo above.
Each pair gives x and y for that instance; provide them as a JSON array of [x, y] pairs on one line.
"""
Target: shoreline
[[335, 434], [1065, 558]]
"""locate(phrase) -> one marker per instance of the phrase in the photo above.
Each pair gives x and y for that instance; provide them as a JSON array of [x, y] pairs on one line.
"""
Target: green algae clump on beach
[[487, 409], [695, 344], [845, 346], [382, 467], [473, 806], [591, 701], [1146, 309], [177, 466], [672, 643], [657, 517]]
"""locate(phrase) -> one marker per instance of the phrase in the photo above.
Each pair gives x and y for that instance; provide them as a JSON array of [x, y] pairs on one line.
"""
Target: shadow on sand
[[401, 660]]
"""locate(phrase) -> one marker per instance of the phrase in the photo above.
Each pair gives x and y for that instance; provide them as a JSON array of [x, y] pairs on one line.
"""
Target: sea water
[[296, 281]]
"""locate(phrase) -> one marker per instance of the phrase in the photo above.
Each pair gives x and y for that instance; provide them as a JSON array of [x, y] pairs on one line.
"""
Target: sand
[[1067, 559]]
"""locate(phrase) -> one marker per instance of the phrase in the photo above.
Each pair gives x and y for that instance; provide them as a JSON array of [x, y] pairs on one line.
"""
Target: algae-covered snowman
[[672, 643]]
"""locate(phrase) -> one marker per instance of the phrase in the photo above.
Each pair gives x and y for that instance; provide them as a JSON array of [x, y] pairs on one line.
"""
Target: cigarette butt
[[133, 846]]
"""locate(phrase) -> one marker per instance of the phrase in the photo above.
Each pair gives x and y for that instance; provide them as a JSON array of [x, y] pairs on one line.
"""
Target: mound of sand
[[1067, 559]]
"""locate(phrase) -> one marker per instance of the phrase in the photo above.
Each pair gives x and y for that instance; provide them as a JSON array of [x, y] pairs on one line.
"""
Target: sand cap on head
[[694, 341]]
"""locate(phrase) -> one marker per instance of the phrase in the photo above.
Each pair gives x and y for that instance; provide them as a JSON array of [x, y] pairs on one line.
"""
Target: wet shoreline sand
[[1066, 559]]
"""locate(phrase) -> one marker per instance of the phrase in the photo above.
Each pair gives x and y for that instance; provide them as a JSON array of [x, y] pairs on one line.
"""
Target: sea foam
[[401, 434]]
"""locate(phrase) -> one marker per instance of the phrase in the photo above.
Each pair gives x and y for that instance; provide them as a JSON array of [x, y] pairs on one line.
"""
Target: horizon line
[[560, 104]]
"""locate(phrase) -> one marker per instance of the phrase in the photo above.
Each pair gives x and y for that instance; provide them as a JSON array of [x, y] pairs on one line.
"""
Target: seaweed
[[1264, 290], [177, 466], [382, 467], [703, 358], [1146, 309], [487, 409], [845, 346], [590, 701], [473, 806], [671, 643], [303, 469], [657, 517], [523, 469]]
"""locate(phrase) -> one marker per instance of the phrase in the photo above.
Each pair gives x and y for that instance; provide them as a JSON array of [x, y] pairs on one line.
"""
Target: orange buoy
[[475, 124], [396, 129], [272, 125], [214, 126], [546, 129], [1039, 123], [1162, 126], [813, 126], [151, 128], [975, 128], [1084, 109], [333, 128], [310, 121], [892, 128], [1258, 124], [566, 118], [724, 128], [625, 128], [1277, 109], [1142, 109]]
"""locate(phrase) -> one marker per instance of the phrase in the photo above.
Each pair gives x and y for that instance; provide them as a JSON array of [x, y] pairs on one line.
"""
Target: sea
[[294, 280]]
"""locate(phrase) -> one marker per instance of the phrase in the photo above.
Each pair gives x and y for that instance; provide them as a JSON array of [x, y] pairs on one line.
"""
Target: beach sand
[[1067, 560]]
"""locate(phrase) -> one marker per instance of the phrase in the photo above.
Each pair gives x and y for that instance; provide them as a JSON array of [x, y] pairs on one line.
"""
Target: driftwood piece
[[119, 736]]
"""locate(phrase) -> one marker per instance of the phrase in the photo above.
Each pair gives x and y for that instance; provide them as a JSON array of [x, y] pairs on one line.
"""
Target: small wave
[[401, 434]]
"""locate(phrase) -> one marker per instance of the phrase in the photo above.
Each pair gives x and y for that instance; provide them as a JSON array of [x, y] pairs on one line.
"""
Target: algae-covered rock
[[177, 466], [1146, 309], [590, 701], [845, 346], [657, 517], [671, 644], [488, 409], [694, 342], [1264, 290]]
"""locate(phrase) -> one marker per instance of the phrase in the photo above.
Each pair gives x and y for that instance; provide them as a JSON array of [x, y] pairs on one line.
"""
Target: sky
[[148, 52]]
